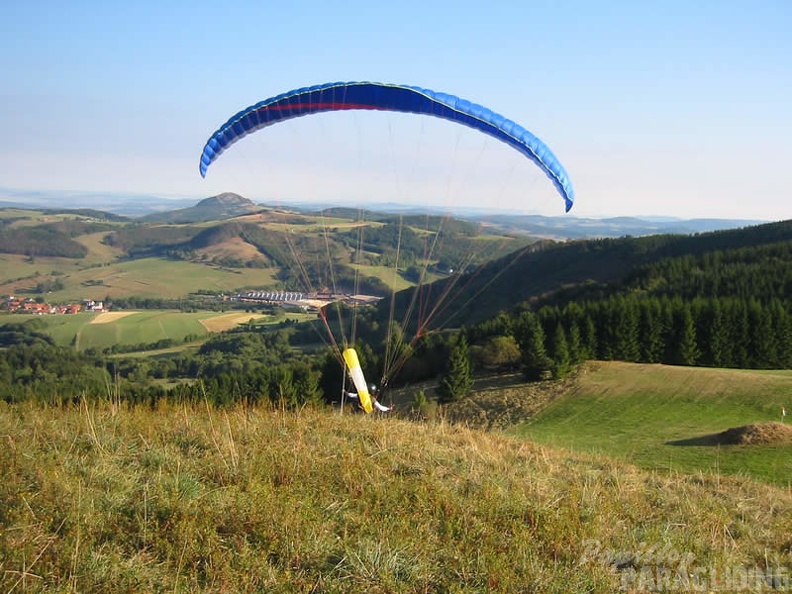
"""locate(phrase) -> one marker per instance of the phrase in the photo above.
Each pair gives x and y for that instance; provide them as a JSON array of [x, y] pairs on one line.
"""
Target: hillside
[[675, 418], [597, 268], [584, 228], [215, 208], [100, 498], [71, 256]]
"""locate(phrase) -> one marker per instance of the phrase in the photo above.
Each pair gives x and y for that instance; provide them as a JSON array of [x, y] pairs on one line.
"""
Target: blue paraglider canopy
[[387, 97]]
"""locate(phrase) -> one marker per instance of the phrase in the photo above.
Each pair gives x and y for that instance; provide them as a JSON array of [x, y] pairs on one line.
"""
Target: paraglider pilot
[[372, 390]]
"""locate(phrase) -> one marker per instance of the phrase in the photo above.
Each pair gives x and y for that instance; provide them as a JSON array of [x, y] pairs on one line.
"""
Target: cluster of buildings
[[270, 296], [312, 301], [31, 306]]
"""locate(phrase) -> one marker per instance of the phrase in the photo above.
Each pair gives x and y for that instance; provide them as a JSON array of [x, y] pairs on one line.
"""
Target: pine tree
[[531, 338], [650, 330], [561, 362], [624, 323], [687, 348], [717, 338], [588, 338], [457, 381], [574, 343]]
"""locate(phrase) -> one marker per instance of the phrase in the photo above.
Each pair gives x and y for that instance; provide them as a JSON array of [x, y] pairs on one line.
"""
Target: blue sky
[[669, 108]]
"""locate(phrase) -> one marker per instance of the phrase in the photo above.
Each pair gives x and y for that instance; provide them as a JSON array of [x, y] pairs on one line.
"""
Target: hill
[[562, 272], [720, 277], [559, 228], [586, 228], [216, 208], [70, 256], [101, 498]]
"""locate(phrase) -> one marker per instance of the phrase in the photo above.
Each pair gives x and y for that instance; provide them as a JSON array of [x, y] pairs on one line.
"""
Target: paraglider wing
[[355, 371], [387, 97]]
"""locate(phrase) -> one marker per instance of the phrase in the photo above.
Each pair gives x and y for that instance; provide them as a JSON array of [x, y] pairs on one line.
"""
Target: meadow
[[98, 497], [656, 416], [90, 330], [145, 277], [396, 282]]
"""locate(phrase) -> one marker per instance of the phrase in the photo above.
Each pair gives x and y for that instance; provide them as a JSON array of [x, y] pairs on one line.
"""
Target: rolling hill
[[216, 208], [559, 272], [239, 246], [75, 256]]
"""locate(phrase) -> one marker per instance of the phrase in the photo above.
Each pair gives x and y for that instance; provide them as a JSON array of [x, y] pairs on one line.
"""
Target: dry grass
[[228, 321], [757, 433], [503, 401], [236, 247], [98, 498], [108, 317]]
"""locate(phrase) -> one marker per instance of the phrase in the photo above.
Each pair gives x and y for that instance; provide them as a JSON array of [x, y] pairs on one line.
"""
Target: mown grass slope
[[658, 417], [97, 498]]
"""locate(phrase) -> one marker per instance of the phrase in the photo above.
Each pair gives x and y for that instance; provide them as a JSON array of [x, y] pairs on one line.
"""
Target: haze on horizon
[[674, 109]]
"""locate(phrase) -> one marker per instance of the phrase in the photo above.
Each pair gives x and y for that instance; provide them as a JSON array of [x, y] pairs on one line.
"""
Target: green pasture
[[140, 327], [143, 327], [98, 251], [318, 225], [386, 274], [14, 267], [652, 415], [28, 218], [17, 213], [145, 277], [62, 328]]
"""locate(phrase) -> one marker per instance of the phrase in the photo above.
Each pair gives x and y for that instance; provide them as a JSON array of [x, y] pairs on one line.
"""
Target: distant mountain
[[227, 205], [133, 205], [561, 227], [568, 227], [217, 208]]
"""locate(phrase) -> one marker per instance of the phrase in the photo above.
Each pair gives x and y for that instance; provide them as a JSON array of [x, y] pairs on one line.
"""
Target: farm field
[[20, 272], [145, 277], [394, 281], [90, 330], [656, 416]]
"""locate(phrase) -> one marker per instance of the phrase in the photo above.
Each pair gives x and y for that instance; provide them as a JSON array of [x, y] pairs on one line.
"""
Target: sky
[[674, 108]]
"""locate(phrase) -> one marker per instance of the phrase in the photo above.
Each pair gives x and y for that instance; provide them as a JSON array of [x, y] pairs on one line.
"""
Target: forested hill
[[721, 299], [749, 263]]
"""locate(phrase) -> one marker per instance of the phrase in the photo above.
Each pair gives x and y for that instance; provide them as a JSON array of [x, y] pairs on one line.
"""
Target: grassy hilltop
[[101, 498]]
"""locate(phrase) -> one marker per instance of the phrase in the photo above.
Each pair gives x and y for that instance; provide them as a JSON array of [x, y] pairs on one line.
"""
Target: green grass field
[[142, 327], [146, 277], [386, 274], [636, 412], [13, 267]]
